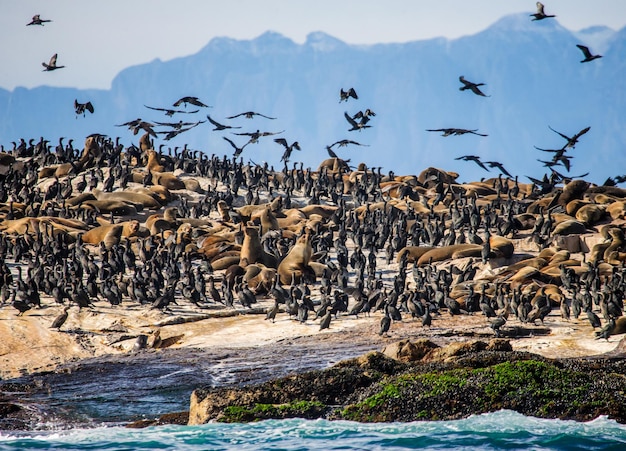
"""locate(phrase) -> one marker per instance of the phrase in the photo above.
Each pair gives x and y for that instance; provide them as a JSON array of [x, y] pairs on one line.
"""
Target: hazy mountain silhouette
[[531, 69]]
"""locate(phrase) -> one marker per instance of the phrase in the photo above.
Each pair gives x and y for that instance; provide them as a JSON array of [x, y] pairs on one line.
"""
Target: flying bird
[[81, 108], [288, 148], [238, 150], [357, 125], [192, 100], [177, 131], [137, 125], [345, 142], [178, 125], [331, 154], [587, 53], [254, 136], [52, 65], [557, 152], [249, 115], [37, 20], [455, 131], [170, 112], [345, 95], [361, 114], [495, 164], [563, 160], [540, 14], [474, 87], [571, 142], [473, 158], [219, 126]]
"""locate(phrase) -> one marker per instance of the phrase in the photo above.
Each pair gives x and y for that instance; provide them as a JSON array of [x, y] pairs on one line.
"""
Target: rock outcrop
[[422, 381]]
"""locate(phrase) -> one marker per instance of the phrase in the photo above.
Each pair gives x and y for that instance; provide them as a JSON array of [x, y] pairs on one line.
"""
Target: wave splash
[[499, 430]]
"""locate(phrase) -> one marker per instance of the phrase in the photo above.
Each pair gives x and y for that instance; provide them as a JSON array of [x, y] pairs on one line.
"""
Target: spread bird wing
[[560, 134], [585, 50], [282, 141], [350, 120], [582, 132]]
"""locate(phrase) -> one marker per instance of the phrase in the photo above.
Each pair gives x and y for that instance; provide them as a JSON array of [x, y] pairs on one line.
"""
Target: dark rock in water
[[181, 418], [454, 382]]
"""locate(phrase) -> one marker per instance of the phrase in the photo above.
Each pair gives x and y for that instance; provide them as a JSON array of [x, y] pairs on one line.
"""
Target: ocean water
[[503, 430]]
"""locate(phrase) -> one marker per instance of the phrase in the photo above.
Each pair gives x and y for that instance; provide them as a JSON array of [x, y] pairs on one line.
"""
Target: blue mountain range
[[532, 76]]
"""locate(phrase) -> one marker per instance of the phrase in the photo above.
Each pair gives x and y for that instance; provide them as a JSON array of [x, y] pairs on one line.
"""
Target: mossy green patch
[[259, 411]]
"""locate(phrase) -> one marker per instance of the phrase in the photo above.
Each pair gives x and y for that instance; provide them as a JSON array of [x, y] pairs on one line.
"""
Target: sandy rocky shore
[[575, 241]]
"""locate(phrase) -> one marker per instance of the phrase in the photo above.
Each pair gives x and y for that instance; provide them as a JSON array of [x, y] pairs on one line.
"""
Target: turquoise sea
[[504, 430]]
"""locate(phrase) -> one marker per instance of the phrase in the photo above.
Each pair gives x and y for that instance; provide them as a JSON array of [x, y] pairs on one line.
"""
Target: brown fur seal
[[590, 214], [137, 199], [268, 220], [90, 153], [252, 250], [412, 253], [117, 207], [617, 210], [573, 190], [569, 227], [168, 180], [169, 216], [334, 165], [259, 278], [295, 265], [439, 254], [614, 253], [113, 236], [96, 235]]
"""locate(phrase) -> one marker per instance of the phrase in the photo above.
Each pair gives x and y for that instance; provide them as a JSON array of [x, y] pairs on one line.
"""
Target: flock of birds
[[160, 269], [357, 122]]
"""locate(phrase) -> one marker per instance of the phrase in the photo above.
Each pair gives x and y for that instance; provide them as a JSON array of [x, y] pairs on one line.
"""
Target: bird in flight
[[571, 142], [219, 126], [361, 114], [37, 20], [495, 164], [249, 115], [81, 108], [357, 125], [474, 87], [178, 125], [455, 131], [587, 53], [288, 148], [238, 150], [137, 125], [473, 158], [254, 136], [177, 131], [331, 154], [52, 65], [345, 142], [345, 95], [170, 112], [192, 100], [540, 14]]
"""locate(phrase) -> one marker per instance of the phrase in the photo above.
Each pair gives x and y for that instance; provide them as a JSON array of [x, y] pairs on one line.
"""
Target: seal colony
[[119, 249]]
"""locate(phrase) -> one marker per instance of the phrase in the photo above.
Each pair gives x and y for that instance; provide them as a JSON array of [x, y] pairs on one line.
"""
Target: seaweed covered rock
[[446, 383]]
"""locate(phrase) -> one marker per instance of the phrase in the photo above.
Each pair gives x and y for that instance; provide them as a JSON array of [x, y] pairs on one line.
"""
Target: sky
[[95, 40]]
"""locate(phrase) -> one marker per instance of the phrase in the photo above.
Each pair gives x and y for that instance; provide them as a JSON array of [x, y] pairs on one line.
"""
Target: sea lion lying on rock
[[96, 235], [137, 199]]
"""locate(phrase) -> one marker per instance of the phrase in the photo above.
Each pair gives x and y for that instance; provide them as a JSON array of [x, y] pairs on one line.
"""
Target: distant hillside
[[531, 72]]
